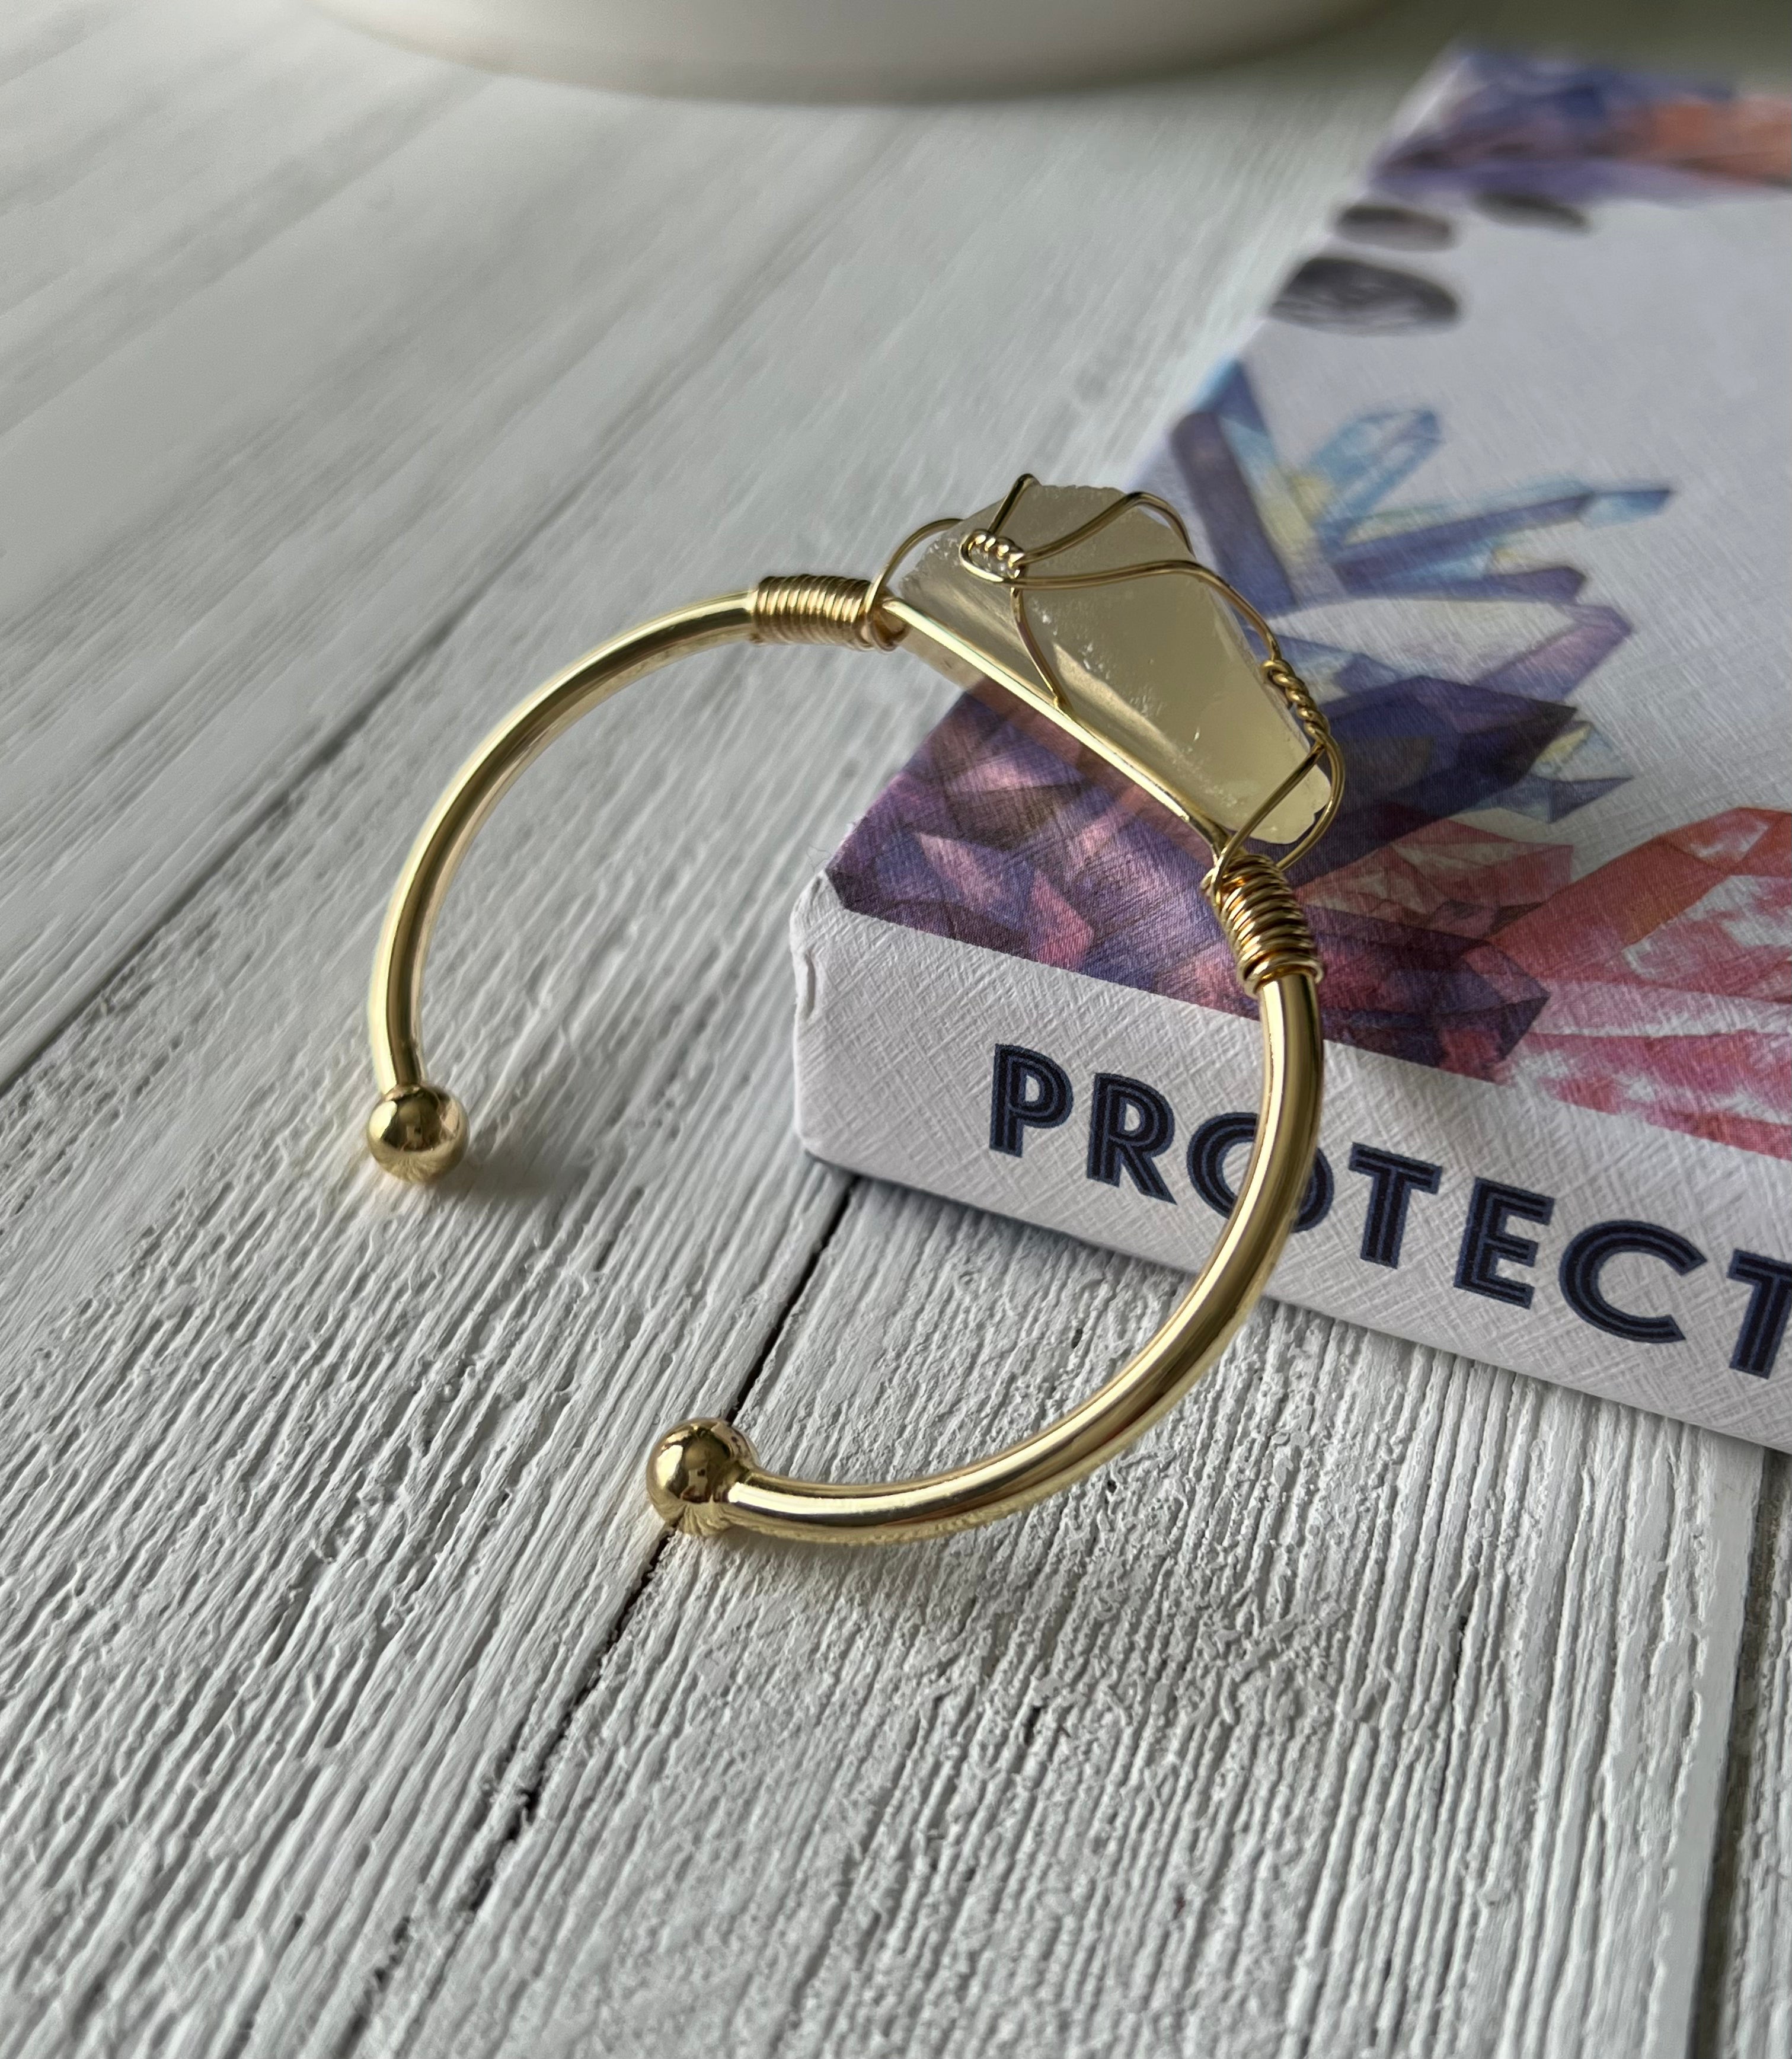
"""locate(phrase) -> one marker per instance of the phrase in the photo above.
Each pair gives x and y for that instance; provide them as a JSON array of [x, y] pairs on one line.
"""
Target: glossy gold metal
[[417, 1130], [977, 608]]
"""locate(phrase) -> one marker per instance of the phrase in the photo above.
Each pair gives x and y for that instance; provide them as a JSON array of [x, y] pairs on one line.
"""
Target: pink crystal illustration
[[1571, 131], [1446, 641], [1669, 977]]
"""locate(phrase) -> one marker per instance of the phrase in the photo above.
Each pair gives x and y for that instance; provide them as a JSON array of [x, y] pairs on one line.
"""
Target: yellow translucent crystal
[[1153, 673]]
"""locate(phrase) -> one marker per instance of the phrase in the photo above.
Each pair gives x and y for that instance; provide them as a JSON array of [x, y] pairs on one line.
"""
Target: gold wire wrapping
[[1262, 921], [811, 607], [991, 554]]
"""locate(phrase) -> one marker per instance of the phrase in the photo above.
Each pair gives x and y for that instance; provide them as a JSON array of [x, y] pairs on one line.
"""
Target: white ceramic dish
[[839, 49]]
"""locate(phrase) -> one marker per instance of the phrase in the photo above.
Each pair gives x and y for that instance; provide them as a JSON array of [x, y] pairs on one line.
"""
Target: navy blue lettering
[[1487, 1242], [1215, 1142], [1027, 1092], [1129, 1124], [1584, 1259], [1393, 1180], [1763, 1329]]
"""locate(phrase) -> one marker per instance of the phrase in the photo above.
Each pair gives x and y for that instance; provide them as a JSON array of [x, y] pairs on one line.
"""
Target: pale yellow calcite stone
[[1156, 672]]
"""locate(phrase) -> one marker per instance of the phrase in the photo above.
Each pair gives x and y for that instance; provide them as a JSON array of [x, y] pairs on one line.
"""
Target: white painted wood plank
[[127, 190], [221, 540], [1376, 1703], [1746, 2011], [35, 35], [293, 510], [333, 1491]]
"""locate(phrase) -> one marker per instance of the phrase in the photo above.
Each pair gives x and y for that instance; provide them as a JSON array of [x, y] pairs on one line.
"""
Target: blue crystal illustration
[[1449, 666], [1447, 649]]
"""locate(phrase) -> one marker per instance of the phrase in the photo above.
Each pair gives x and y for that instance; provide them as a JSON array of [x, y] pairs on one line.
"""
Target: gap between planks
[[522, 1817], [155, 1205], [1745, 1999], [380, 1540], [326, 449], [1373, 1703]]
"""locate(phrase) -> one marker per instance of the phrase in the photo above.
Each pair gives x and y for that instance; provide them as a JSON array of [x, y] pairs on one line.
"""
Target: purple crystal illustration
[[1446, 648], [1551, 130], [1374, 601]]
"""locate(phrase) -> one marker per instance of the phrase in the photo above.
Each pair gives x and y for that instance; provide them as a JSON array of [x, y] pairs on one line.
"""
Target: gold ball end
[[690, 1469], [417, 1132]]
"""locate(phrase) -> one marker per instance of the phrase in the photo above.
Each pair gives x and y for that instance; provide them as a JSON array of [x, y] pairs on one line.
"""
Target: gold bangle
[[1148, 679]]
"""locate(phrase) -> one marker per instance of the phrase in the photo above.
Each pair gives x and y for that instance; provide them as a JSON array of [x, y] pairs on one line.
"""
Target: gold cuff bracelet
[[1135, 650]]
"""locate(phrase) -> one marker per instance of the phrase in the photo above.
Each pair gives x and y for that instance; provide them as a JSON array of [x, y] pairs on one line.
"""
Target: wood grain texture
[[1377, 1703], [227, 534], [1747, 2003], [304, 336], [347, 1703], [343, 1482], [149, 157]]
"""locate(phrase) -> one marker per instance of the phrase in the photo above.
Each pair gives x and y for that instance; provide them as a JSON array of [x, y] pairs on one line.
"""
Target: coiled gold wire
[[1299, 696], [1263, 922], [811, 607]]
